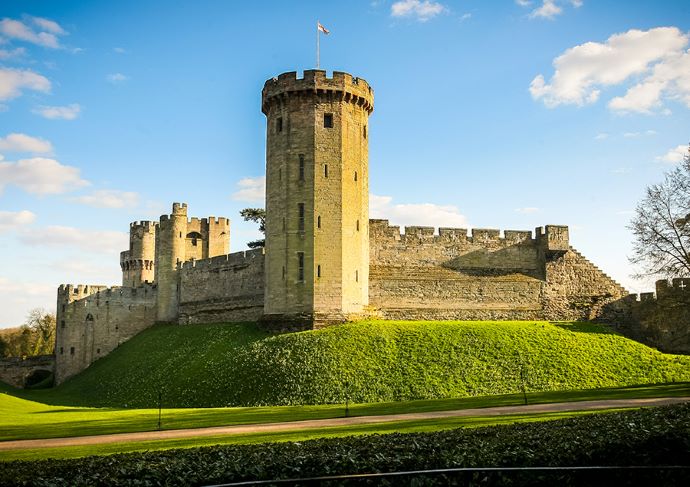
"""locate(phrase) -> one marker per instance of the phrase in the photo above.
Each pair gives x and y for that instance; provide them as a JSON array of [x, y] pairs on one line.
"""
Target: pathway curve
[[325, 423]]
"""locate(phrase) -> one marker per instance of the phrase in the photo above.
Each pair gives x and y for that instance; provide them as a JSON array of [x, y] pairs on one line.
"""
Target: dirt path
[[324, 423]]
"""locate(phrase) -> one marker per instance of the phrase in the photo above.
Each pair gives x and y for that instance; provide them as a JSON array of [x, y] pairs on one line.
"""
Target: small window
[[301, 167], [62, 351], [300, 208], [328, 120], [357, 225], [98, 350], [364, 132], [300, 266], [283, 223], [318, 221], [355, 175], [357, 276], [279, 124], [62, 324], [283, 273], [280, 174], [318, 271], [63, 308], [71, 350], [325, 170]]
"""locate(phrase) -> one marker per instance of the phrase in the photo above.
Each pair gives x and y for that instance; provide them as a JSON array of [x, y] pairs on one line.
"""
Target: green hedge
[[239, 365], [658, 436]]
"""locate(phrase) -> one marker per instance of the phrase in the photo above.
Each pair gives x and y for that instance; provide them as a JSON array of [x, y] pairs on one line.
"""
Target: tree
[[256, 215], [42, 327], [4, 347], [661, 226]]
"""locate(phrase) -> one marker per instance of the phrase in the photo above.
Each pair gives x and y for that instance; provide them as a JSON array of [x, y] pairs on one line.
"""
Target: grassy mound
[[219, 365]]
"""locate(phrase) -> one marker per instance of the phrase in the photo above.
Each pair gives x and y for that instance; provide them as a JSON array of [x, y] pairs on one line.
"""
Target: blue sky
[[502, 114]]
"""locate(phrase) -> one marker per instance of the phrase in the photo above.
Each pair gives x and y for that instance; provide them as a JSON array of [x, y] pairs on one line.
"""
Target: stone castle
[[324, 260]]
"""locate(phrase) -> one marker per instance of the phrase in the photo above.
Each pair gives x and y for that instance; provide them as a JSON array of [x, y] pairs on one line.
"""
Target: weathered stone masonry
[[324, 260]]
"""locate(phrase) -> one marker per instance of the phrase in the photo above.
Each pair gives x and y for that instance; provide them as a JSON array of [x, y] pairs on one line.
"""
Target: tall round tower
[[317, 196], [170, 250]]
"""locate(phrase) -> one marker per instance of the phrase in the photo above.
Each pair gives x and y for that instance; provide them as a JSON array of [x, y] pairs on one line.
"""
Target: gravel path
[[325, 423]]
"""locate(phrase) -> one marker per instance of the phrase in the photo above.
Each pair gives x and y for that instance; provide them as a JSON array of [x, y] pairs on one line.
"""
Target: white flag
[[322, 28]]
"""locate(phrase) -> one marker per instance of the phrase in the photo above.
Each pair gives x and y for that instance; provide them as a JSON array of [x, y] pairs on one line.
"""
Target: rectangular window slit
[[328, 120], [325, 170], [300, 207], [279, 124], [318, 271], [300, 266], [301, 167]]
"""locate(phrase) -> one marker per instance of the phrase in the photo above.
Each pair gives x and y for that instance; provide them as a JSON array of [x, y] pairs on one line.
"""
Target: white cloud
[[119, 50], [10, 220], [17, 52], [527, 210], [423, 214], [421, 10], [581, 71], [116, 78], [675, 155], [40, 176], [620, 170], [547, 10], [576, 3], [601, 136], [68, 112], [523, 3], [18, 297], [48, 25], [251, 189], [13, 81], [96, 241], [109, 198], [46, 35], [25, 143]]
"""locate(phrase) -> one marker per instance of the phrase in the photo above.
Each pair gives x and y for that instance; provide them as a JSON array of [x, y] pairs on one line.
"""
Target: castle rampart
[[660, 319], [93, 320], [226, 288]]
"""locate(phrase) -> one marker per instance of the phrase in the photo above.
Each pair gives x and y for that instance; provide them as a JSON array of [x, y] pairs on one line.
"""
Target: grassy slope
[[219, 365]]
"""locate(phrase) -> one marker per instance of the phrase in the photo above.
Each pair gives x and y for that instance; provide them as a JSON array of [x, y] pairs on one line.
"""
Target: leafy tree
[[4, 347], [256, 215], [35, 337], [661, 226]]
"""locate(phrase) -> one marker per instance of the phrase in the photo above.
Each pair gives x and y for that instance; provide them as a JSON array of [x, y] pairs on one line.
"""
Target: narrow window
[[318, 271], [62, 351], [300, 207], [71, 350], [328, 120], [62, 324], [180, 234], [283, 273], [357, 276], [355, 175], [63, 308], [280, 174], [98, 350], [279, 124], [301, 167], [357, 225], [300, 266], [325, 170], [283, 223], [364, 132], [318, 221]]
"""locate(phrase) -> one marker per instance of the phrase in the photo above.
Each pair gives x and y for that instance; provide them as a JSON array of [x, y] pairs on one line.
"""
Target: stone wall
[[93, 320], [16, 370], [227, 288], [484, 275], [661, 320]]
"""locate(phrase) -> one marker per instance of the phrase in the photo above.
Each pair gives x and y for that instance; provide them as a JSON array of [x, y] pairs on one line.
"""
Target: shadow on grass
[[584, 327]]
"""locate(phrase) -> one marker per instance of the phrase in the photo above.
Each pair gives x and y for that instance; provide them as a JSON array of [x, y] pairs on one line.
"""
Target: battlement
[[675, 288], [234, 259], [381, 228], [317, 82], [75, 292], [147, 225], [211, 220]]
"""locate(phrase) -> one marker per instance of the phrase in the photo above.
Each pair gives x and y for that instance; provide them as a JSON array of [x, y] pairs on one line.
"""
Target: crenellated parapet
[[235, 259], [381, 230], [316, 83]]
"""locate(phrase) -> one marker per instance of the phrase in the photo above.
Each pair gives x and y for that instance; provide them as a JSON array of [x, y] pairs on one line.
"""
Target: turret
[[317, 206], [137, 263]]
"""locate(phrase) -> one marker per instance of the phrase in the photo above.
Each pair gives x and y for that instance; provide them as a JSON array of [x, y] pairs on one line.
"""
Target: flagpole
[[317, 45]]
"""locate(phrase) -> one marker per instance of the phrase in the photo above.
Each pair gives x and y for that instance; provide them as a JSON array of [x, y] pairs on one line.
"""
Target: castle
[[324, 260]]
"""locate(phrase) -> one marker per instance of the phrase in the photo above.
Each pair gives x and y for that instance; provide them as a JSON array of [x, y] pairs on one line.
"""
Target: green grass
[[239, 365], [411, 426]]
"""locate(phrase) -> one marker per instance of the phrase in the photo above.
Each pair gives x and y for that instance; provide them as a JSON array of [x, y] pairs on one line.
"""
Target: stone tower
[[317, 196], [170, 250], [137, 263]]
